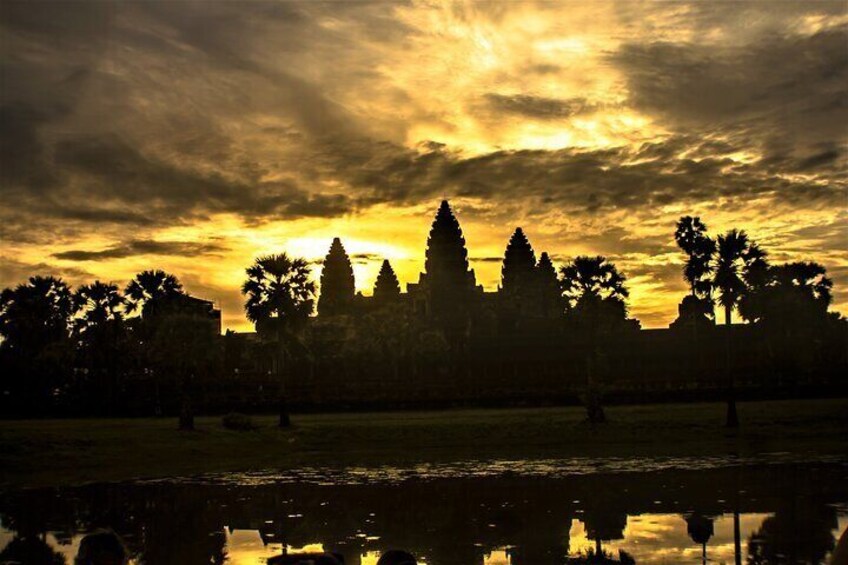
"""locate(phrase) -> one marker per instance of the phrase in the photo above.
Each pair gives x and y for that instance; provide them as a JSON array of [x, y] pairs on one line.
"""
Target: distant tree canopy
[[700, 250], [590, 281], [150, 287], [97, 305], [387, 287], [337, 282], [85, 350], [280, 295], [732, 251], [793, 294], [738, 270], [74, 349], [35, 314]]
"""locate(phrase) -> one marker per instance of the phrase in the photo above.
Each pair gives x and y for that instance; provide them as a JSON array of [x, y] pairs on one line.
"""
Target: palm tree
[[97, 304], [592, 277], [34, 325], [144, 294], [280, 297], [596, 294], [148, 287], [732, 250], [691, 237], [99, 326]]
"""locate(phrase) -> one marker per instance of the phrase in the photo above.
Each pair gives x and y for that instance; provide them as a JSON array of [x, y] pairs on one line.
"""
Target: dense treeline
[[99, 351], [152, 349]]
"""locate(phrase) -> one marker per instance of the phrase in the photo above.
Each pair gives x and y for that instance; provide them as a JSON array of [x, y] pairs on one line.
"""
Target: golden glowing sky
[[195, 136]]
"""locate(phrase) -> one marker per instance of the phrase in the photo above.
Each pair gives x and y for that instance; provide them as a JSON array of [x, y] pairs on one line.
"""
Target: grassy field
[[60, 452]]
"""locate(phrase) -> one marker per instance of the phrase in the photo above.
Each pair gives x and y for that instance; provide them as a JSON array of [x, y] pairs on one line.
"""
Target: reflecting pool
[[522, 513]]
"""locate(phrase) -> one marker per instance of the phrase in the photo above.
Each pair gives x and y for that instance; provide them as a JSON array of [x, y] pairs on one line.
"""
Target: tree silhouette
[[691, 237], [386, 287], [596, 292], [789, 305], [184, 348], [800, 531], [592, 278], [147, 294], [280, 298], [31, 549], [700, 529], [792, 294], [733, 249], [99, 327], [518, 280], [337, 283], [35, 327], [450, 281], [148, 287], [550, 297]]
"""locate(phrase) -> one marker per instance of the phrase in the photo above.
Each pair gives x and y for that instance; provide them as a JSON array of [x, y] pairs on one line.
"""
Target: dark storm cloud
[[537, 107], [578, 180], [122, 113], [143, 247], [13, 272], [121, 179], [784, 93], [363, 258]]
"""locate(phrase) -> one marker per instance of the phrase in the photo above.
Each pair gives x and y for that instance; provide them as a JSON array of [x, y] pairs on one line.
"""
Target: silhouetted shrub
[[239, 422]]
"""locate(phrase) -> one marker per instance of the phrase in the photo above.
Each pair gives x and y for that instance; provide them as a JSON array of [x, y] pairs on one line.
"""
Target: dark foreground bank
[[63, 452]]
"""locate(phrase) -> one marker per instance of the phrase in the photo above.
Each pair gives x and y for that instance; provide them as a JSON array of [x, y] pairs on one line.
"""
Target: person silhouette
[[397, 557], [102, 547]]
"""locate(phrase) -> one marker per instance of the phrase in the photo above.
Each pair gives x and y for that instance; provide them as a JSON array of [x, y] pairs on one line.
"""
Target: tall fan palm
[[34, 324], [691, 237], [729, 279], [592, 277], [96, 304], [732, 249], [149, 286], [595, 291], [98, 322], [280, 297]]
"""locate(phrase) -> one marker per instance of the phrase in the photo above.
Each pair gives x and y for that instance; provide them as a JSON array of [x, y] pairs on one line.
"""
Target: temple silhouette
[[448, 341], [544, 337]]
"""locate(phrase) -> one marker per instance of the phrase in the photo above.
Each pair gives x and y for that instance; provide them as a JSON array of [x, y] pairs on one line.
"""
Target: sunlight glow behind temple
[[592, 125]]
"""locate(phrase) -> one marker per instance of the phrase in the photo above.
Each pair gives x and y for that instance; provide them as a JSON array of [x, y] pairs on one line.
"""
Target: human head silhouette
[[102, 547], [397, 557]]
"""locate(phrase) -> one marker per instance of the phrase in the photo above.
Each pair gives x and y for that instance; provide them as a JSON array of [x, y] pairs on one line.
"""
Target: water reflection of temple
[[450, 521]]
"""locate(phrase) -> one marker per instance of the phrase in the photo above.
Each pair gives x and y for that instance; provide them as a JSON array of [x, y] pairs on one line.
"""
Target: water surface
[[531, 512]]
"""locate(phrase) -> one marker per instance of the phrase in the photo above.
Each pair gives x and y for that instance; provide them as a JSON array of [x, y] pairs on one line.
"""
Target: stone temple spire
[[517, 273], [387, 287], [337, 283], [449, 280]]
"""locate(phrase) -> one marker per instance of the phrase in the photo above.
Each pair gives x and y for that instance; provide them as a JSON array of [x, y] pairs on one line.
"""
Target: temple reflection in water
[[785, 514]]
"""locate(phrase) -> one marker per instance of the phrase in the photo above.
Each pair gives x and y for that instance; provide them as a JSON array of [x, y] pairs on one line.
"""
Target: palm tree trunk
[[279, 358], [737, 538], [732, 418], [285, 421]]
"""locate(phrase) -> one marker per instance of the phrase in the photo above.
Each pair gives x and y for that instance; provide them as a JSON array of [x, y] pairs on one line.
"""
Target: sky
[[196, 136]]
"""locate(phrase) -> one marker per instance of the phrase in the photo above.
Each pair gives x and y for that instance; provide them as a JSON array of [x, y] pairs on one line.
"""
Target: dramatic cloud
[[143, 247], [206, 134], [538, 106]]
